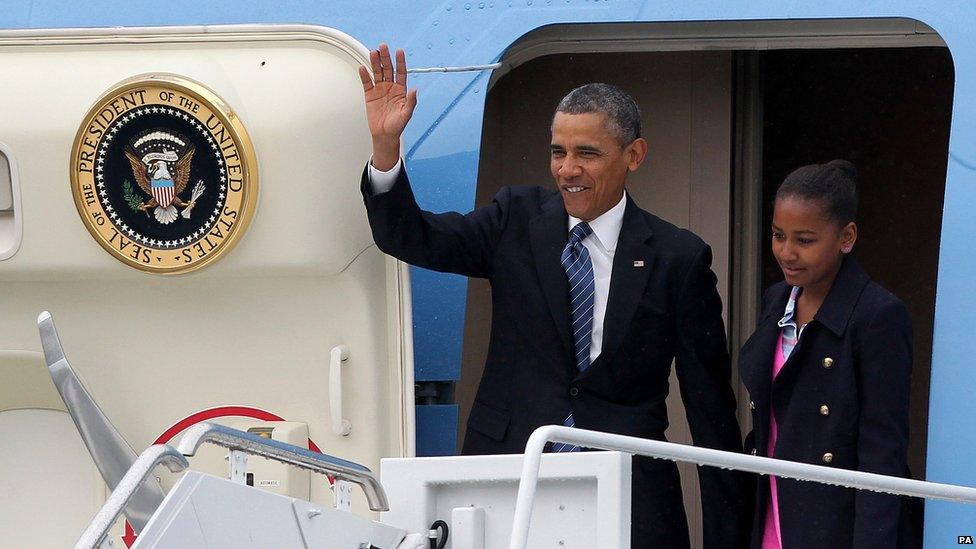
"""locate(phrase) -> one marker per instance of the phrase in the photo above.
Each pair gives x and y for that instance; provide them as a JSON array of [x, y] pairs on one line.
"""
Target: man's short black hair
[[623, 117], [832, 184]]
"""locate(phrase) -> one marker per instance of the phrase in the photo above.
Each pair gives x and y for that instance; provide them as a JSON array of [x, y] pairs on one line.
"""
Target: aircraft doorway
[[726, 121], [887, 111]]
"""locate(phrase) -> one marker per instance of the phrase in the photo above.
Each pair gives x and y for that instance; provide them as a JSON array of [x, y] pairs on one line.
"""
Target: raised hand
[[389, 105]]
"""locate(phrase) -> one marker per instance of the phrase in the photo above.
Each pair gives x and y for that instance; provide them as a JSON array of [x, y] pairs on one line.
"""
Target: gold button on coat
[[824, 410], [828, 363], [828, 457]]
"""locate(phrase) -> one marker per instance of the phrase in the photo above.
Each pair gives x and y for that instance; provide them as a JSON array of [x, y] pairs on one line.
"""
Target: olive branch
[[132, 198]]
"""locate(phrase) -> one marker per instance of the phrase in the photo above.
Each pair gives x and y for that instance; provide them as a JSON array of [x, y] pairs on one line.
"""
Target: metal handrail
[[716, 458], [297, 456], [126, 489]]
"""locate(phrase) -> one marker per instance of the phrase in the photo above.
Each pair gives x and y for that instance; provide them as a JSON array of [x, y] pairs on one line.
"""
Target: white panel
[[204, 511], [50, 488], [583, 499], [468, 527], [330, 528]]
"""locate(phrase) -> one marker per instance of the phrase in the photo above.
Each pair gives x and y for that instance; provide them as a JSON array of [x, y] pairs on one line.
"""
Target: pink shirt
[[772, 539], [789, 336]]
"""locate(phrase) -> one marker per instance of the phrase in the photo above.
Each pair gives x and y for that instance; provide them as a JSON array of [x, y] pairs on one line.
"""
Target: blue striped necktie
[[579, 271]]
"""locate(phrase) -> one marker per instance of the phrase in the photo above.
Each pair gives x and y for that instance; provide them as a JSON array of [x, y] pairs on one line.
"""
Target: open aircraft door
[[185, 201]]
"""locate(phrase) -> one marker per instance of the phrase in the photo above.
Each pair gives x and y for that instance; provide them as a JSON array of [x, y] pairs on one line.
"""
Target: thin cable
[[469, 68]]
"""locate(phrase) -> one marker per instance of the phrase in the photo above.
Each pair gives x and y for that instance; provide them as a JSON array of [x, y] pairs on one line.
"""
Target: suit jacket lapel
[[837, 308], [632, 264], [756, 363], [756, 357], [548, 235]]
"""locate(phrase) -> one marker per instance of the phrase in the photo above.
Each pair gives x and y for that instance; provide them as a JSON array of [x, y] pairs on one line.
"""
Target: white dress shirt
[[601, 244], [381, 181]]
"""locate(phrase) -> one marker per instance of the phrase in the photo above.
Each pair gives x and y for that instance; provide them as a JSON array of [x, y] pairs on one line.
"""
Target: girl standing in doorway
[[828, 369]]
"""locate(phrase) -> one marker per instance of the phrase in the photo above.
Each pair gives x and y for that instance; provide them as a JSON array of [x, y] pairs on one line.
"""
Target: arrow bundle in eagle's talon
[[197, 191]]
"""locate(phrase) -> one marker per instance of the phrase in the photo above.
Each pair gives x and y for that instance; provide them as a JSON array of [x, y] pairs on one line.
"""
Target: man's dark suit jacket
[[663, 305], [866, 333]]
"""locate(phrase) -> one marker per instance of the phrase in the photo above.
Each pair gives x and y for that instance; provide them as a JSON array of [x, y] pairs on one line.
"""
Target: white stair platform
[[203, 511], [583, 498]]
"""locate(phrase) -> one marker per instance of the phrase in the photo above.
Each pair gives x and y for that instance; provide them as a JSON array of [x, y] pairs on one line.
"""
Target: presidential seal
[[163, 174]]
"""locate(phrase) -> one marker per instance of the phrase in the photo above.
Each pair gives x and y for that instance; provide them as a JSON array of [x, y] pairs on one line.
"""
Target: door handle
[[11, 216], [340, 425]]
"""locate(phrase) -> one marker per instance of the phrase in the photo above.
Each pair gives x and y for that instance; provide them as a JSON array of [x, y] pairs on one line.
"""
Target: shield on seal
[[162, 191]]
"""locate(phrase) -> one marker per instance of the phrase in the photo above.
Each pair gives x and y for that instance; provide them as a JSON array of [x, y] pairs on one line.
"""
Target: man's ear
[[636, 153]]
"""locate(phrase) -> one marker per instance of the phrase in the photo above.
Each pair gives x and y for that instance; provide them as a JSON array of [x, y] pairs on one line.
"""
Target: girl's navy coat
[[841, 400]]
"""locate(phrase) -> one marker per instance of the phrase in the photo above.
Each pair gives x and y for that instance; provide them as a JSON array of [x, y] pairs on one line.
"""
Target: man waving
[[593, 298]]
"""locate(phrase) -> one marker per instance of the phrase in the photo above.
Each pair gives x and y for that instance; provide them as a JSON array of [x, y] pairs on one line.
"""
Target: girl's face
[[807, 244]]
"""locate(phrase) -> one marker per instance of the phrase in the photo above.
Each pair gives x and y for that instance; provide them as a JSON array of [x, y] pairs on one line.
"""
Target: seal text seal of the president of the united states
[[163, 174]]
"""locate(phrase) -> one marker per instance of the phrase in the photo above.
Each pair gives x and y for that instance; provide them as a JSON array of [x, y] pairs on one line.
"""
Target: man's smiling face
[[588, 163]]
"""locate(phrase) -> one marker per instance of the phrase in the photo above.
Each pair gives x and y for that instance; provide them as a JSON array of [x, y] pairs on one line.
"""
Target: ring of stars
[[111, 211]]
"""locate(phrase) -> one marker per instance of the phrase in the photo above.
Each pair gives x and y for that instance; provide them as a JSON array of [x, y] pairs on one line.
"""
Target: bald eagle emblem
[[160, 164]]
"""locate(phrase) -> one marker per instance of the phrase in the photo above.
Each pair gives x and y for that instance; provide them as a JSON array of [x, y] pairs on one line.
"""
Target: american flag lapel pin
[[639, 263]]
